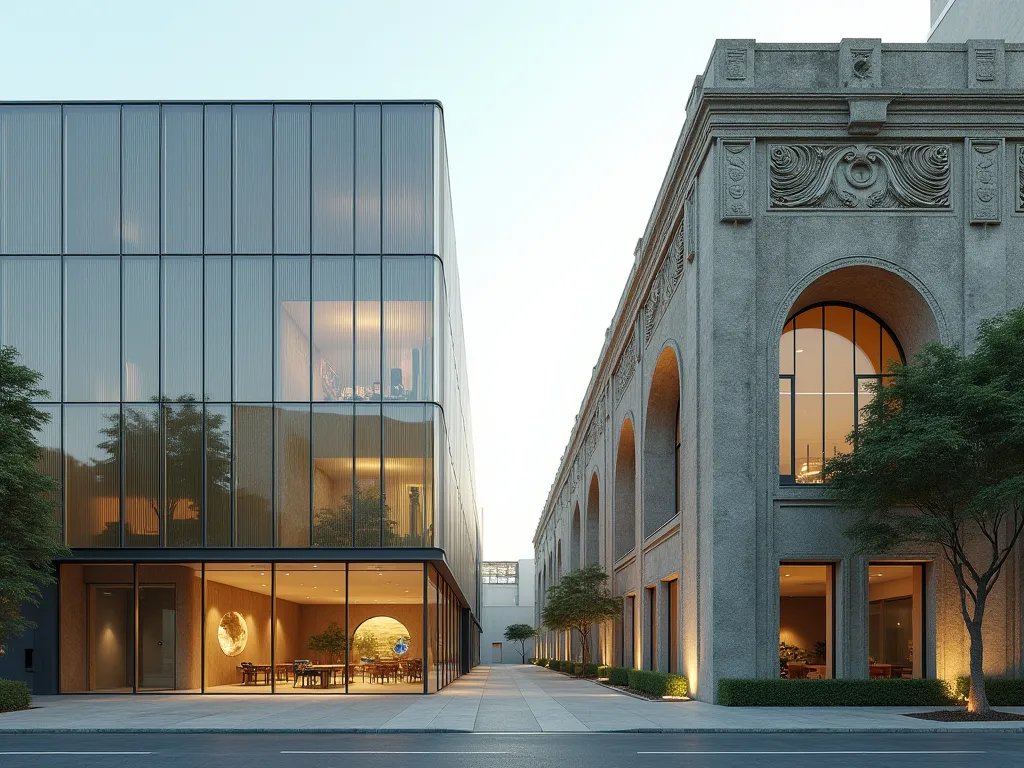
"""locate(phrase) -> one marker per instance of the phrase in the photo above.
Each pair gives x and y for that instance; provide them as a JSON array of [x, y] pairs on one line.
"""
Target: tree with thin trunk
[[30, 534], [938, 460], [520, 633], [579, 600]]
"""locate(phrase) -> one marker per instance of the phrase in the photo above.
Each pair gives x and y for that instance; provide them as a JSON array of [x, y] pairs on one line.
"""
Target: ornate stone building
[[827, 208]]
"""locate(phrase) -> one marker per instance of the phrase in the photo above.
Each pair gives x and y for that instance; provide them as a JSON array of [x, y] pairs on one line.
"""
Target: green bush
[[657, 683], [577, 669], [1001, 691], [590, 670], [13, 695], [880, 692], [618, 675], [602, 671], [541, 662], [555, 664]]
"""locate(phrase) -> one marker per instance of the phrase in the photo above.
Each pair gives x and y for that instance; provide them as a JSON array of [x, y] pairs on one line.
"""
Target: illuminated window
[[828, 356]]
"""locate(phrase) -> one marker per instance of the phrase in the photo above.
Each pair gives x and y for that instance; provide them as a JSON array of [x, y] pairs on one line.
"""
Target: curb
[[964, 728]]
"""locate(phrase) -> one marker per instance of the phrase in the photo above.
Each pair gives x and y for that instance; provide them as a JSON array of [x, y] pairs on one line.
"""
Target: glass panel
[[868, 340], [291, 484], [238, 628], [92, 328], [217, 332], [385, 619], [408, 335], [292, 317], [673, 626], [218, 475], [141, 342], [367, 378], [332, 327], [408, 471], [895, 620], [254, 471], [170, 626], [183, 462], [183, 326], [309, 620], [332, 475], [143, 508], [432, 630], [890, 352], [49, 459], [253, 302], [30, 315], [808, 386], [839, 364], [92, 449], [805, 621], [786, 348], [785, 427], [95, 628], [368, 490]]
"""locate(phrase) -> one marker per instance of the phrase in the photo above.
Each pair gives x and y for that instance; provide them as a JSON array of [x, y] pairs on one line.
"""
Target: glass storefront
[[260, 627]]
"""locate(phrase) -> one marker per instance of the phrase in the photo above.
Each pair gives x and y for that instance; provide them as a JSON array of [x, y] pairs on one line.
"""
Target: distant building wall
[[505, 604], [956, 21]]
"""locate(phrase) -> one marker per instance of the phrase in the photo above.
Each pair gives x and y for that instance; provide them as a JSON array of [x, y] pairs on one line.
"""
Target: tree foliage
[[939, 461], [520, 633], [30, 534], [579, 600]]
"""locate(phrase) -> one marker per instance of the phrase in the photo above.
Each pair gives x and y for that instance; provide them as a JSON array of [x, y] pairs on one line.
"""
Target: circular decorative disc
[[232, 633]]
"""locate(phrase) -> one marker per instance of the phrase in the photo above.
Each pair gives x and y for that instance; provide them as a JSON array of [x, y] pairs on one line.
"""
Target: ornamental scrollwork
[[899, 176]]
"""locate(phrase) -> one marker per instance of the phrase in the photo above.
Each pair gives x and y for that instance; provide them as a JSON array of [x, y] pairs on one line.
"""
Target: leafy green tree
[[329, 645], [520, 633], [30, 534], [334, 526], [939, 461], [578, 601]]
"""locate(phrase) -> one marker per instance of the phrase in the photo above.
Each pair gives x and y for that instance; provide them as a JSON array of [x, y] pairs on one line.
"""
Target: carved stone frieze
[[736, 187], [857, 176], [985, 180], [1020, 178], [625, 368], [690, 221]]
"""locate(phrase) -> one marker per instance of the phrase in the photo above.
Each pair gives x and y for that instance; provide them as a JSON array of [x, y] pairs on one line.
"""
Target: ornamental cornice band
[[624, 370], [859, 176]]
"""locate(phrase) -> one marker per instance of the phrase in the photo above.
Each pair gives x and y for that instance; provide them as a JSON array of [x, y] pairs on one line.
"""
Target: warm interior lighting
[[232, 633]]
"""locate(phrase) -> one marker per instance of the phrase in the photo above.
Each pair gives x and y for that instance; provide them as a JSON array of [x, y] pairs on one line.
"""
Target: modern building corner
[[248, 319]]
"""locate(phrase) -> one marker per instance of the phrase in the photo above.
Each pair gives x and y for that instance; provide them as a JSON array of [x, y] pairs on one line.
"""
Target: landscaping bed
[[656, 686], [878, 692], [14, 695], [962, 716]]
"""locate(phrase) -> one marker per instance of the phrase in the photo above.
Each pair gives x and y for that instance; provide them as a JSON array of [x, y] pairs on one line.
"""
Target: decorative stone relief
[[736, 188], [679, 248], [899, 176], [986, 66], [690, 216], [736, 64], [1020, 178], [985, 181], [624, 370], [860, 63]]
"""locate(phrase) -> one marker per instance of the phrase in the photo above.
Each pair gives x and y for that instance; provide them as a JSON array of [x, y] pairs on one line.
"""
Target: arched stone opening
[[661, 444], [574, 540], [625, 492], [592, 541]]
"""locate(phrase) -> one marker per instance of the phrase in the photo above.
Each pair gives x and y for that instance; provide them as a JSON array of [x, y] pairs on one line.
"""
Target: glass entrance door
[[110, 638], [156, 636]]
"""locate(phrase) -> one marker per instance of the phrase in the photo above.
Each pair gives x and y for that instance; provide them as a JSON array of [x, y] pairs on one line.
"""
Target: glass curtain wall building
[[247, 318]]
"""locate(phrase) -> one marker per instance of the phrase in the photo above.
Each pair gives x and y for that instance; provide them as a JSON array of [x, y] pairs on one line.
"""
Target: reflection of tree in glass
[[333, 526], [173, 432]]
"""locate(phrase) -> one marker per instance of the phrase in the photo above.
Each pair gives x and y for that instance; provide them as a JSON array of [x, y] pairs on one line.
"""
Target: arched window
[[574, 540], [625, 492], [592, 554], [828, 354], [661, 444]]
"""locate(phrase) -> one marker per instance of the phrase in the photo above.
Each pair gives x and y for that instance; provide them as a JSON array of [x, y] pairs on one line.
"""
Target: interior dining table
[[328, 673]]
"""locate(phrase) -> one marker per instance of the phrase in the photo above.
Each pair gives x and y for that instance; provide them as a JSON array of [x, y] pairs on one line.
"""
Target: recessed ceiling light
[[337, 590], [799, 350], [315, 566], [262, 573], [878, 574], [287, 574], [314, 587], [787, 574], [263, 585]]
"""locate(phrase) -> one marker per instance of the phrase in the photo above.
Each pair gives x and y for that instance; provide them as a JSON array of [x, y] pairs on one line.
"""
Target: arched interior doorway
[[574, 540], [625, 492], [661, 444]]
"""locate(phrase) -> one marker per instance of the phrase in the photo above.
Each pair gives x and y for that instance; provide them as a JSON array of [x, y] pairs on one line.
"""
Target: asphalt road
[[419, 750]]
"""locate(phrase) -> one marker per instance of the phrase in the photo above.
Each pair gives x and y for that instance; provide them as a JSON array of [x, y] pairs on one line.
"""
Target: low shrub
[[657, 683], [1001, 691], [618, 675], [602, 671], [589, 670], [880, 692], [13, 695], [541, 662], [556, 664], [577, 669]]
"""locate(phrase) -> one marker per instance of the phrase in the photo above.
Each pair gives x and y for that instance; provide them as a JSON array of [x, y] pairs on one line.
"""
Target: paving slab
[[498, 699]]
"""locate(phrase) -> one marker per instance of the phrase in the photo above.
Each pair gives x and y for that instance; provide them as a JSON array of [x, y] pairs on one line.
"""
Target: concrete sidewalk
[[500, 699]]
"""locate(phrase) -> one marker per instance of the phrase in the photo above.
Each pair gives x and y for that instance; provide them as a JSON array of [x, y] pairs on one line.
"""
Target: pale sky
[[561, 117]]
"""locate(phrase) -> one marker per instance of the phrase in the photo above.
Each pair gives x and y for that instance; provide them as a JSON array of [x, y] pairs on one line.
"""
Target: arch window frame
[[787, 381]]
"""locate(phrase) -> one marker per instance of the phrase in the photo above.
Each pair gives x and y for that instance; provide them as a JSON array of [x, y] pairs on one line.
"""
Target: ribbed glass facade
[[247, 318]]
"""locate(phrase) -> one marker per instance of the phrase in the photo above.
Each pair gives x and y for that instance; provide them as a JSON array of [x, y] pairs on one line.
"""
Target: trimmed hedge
[[1001, 691], [602, 670], [556, 664], [618, 675], [657, 683], [541, 662], [879, 692], [13, 695], [590, 670]]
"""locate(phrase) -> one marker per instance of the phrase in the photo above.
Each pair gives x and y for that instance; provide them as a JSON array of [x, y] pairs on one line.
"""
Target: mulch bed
[[962, 716]]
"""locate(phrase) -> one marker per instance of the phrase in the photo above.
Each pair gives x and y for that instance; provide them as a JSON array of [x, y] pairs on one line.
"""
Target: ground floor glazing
[[260, 627]]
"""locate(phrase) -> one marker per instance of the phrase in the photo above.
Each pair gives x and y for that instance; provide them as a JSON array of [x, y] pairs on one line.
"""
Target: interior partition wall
[[258, 627]]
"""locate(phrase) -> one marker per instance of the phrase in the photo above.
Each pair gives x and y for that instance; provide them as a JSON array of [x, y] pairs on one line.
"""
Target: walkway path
[[505, 699]]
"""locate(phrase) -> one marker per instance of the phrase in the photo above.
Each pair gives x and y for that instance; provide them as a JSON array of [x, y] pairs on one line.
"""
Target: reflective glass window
[[408, 332], [292, 319], [333, 475], [253, 432], [183, 327], [408, 473], [333, 327], [217, 457], [143, 507], [253, 328], [217, 328], [92, 450], [92, 328], [367, 476], [183, 472], [141, 331], [30, 315], [367, 320], [292, 474]]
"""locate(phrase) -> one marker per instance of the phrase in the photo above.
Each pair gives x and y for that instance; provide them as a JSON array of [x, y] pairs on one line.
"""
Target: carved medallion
[[735, 181], [984, 165], [900, 176], [1020, 178]]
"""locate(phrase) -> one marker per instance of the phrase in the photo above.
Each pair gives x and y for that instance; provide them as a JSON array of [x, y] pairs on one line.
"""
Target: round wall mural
[[232, 633]]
